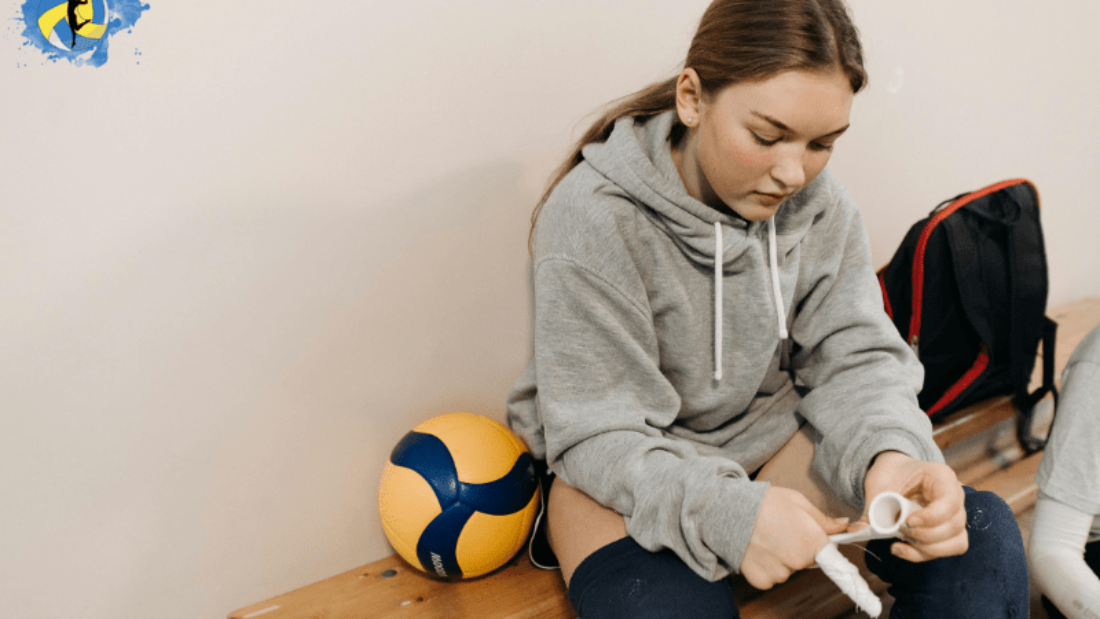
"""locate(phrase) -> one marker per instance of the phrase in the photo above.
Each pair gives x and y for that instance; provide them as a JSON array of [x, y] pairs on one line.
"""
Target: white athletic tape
[[846, 576], [886, 514]]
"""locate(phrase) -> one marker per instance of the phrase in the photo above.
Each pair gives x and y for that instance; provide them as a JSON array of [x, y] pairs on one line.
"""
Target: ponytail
[[649, 101]]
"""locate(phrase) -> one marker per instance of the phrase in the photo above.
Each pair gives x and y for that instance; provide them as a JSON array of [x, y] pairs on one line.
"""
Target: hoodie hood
[[637, 157]]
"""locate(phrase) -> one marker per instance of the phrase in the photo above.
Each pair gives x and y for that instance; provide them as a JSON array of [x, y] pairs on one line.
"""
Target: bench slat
[[390, 589]]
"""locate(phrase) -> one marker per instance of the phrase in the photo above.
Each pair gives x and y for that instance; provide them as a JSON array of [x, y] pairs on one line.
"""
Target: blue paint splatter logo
[[78, 30]]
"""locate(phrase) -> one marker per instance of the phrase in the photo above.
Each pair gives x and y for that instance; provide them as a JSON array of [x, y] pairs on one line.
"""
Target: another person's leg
[[610, 576], [990, 580], [1092, 559]]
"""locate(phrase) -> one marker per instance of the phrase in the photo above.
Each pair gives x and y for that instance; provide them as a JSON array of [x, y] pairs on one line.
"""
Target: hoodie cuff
[[728, 524], [893, 440]]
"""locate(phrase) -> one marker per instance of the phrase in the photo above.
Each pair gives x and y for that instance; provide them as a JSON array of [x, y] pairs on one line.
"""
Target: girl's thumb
[[839, 525], [831, 526]]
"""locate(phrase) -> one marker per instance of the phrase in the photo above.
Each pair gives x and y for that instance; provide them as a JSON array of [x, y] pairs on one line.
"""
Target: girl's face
[[754, 144]]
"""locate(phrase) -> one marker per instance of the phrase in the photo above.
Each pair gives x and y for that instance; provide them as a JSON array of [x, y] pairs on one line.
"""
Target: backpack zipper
[[922, 246]]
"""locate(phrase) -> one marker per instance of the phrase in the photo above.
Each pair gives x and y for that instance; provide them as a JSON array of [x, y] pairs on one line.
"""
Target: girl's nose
[[788, 171]]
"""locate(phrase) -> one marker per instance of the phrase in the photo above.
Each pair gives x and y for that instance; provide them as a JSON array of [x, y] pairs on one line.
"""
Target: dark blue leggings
[[990, 581], [622, 580]]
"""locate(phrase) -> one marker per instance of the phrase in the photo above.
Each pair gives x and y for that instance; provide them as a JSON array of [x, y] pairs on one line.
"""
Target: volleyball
[[458, 495]]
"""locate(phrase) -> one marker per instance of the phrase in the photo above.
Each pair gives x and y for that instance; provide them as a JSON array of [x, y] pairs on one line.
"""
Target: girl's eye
[[761, 141], [821, 147]]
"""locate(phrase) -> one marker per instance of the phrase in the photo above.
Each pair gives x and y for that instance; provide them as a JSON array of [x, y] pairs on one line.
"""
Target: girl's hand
[[789, 532], [939, 529]]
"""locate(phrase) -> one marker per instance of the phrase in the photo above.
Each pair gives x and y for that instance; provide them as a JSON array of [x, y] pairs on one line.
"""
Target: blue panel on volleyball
[[507, 495], [427, 455]]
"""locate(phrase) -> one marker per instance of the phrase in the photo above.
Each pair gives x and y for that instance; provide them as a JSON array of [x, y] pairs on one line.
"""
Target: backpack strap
[[1027, 402], [1027, 263]]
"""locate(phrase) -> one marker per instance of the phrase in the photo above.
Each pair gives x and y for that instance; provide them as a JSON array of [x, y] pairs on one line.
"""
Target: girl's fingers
[[858, 525], [767, 576], [942, 506], [919, 553], [935, 534]]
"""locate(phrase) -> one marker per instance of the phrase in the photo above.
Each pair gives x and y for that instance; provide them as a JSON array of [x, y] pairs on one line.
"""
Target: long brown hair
[[740, 41]]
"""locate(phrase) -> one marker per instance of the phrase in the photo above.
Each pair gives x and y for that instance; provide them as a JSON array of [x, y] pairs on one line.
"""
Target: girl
[[703, 290]]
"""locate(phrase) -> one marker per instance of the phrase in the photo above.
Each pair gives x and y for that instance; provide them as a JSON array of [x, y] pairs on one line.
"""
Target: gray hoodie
[[640, 398]]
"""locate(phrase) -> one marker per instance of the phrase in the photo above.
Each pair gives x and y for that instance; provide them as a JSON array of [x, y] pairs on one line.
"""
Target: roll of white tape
[[889, 511]]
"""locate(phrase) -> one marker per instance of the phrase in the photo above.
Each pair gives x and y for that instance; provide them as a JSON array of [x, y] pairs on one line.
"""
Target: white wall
[[989, 90], [233, 275]]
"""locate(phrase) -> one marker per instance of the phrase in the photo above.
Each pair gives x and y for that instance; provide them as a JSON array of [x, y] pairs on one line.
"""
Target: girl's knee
[[623, 580], [992, 529], [578, 526], [989, 580], [996, 548]]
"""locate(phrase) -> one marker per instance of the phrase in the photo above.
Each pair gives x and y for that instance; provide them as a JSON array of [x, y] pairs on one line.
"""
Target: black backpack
[[968, 290]]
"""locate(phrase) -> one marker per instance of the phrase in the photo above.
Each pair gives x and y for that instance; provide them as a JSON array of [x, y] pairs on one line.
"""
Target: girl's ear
[[689, 97]]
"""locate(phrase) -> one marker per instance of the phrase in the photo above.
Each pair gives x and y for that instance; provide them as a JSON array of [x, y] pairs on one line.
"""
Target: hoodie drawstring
[[773, 262], [780, 312], [718, 266]]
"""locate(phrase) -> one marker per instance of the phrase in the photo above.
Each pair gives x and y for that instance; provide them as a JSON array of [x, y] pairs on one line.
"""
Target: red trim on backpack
[[922, 245], [885, 297], [956, 390]]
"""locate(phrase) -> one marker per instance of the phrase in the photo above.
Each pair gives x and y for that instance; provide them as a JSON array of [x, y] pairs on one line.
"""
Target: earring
[[690, 121]]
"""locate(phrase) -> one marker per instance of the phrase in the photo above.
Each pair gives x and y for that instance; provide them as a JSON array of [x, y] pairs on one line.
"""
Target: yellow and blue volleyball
[[458, 495]]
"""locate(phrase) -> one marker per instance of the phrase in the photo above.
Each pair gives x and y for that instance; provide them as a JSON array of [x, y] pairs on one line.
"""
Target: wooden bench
[[979, 443]]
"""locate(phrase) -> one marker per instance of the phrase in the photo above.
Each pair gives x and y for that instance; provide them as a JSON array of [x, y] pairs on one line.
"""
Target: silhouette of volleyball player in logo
[[74, 21]]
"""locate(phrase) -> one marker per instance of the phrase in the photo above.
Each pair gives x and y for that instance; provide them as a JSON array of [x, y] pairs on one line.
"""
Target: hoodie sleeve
[[604, 403], [862, 379]]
